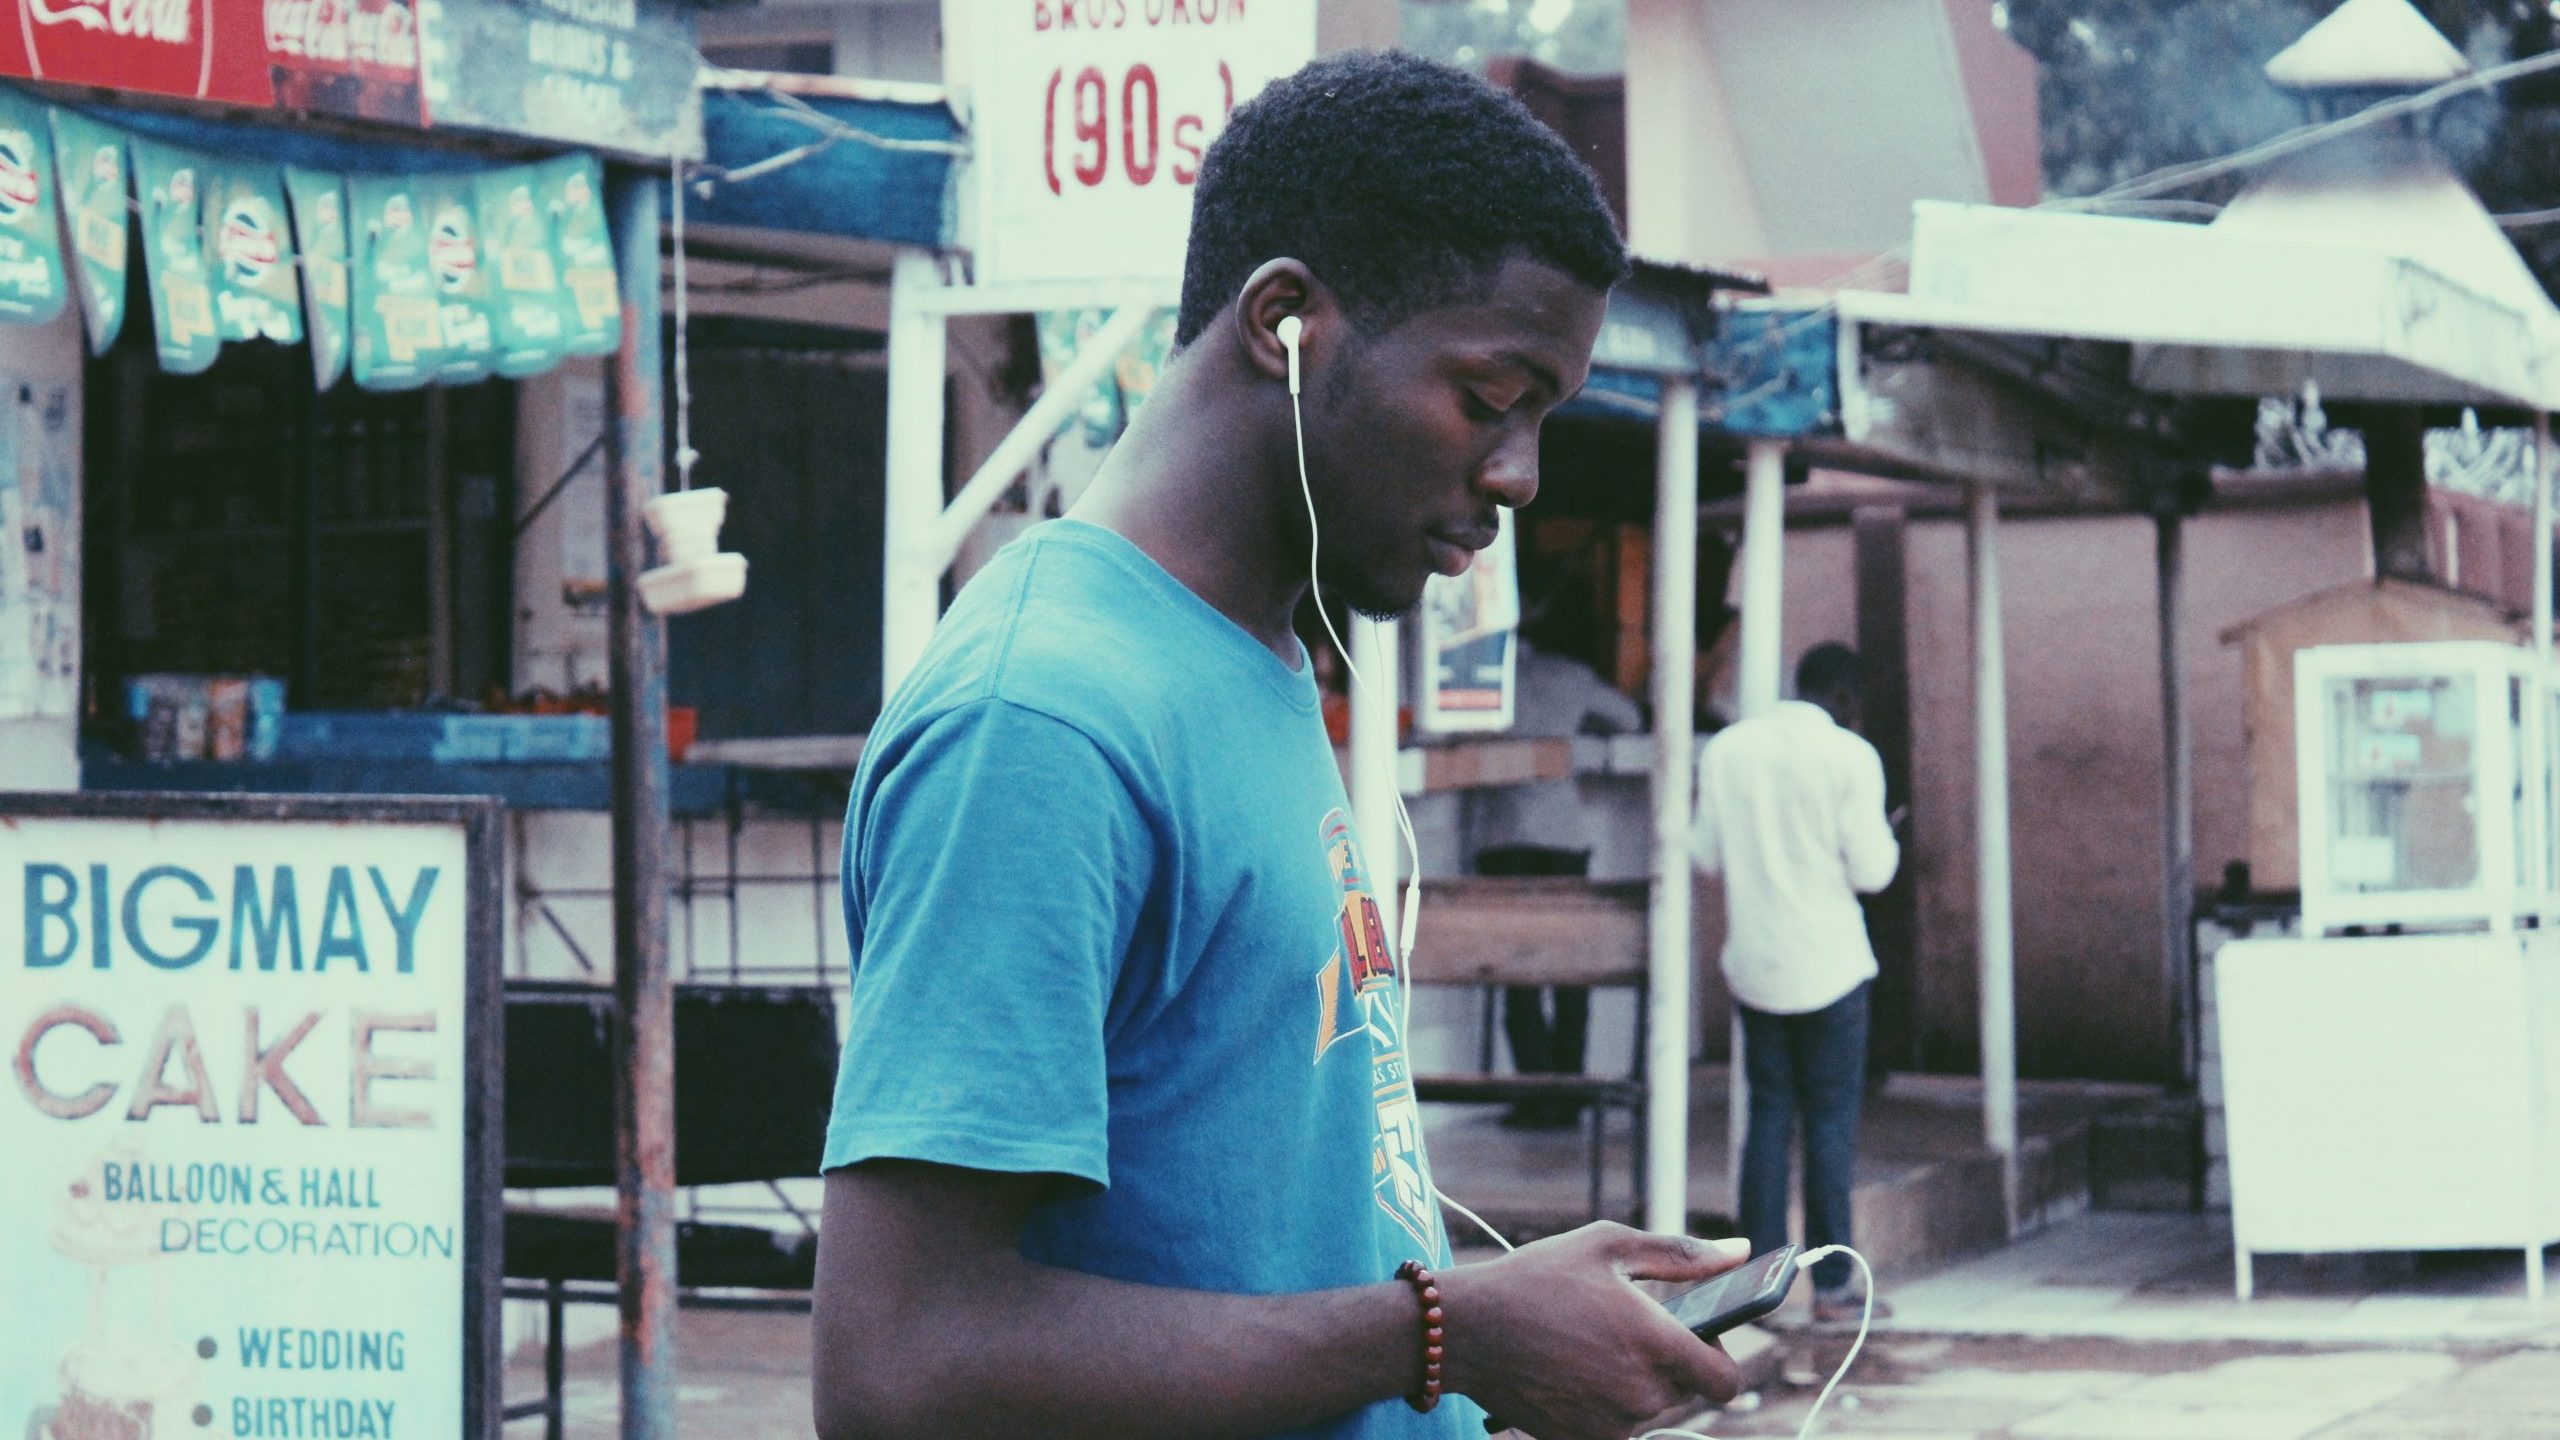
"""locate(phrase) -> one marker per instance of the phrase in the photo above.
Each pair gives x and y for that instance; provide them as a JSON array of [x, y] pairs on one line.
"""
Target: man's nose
[[1511, 472]]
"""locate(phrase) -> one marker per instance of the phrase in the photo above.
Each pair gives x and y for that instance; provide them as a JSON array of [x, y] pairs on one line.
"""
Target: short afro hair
[[1831, 672], [1403, 183]]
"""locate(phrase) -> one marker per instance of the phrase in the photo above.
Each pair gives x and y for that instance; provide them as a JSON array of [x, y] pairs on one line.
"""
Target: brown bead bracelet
[[1433, 1336]]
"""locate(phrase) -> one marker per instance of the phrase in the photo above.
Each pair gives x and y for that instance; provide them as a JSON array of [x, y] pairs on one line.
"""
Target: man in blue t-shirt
[[1125, 1142]]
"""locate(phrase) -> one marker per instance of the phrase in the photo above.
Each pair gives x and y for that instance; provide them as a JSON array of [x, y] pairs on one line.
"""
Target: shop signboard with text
[[612, 74], [251, 1117], [355, 58], [1089, 119]]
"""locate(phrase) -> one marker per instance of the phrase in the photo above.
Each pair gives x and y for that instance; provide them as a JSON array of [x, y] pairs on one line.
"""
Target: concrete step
[[1927, 1188], [2149, 1157]]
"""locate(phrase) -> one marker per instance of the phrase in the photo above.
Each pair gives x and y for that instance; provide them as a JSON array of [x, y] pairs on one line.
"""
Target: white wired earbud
[[1289, 329]]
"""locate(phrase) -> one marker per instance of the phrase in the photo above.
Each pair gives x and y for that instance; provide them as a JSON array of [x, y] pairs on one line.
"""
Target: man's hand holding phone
[[1557, 1339]]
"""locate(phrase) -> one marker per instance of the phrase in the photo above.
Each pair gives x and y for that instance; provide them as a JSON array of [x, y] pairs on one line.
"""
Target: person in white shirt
[[1791, 809]]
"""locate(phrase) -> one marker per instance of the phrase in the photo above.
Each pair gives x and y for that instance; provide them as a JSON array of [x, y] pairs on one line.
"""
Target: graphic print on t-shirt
[[1357, 995]]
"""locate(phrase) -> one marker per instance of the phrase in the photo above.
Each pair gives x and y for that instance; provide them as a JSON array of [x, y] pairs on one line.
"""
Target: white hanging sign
[[1089, 119]]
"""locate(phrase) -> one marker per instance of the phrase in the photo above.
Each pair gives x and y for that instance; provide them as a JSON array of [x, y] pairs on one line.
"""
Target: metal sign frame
[[483, 1137]]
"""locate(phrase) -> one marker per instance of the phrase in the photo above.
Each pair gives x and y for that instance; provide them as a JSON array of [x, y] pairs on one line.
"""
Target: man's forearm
[[1023, 1348]]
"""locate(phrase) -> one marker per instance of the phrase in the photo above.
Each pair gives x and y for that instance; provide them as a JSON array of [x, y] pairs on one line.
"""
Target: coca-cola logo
[[169, 21], [343, 33], [160, 47], [19, 184], [451, 252], [247, 242], [307, 29], [387, 37]]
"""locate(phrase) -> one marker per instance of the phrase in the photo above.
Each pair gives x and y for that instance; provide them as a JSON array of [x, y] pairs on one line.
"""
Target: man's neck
[[1195, 484]]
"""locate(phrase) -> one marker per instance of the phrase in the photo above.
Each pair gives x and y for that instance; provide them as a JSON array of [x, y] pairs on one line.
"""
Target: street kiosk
[[2392, 1075]]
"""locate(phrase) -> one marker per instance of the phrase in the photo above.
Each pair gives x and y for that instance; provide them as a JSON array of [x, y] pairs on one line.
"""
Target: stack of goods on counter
[[205, 717]]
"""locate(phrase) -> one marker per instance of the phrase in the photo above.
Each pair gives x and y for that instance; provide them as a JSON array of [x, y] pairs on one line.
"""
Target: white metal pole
[[1764, 554], [911, 599], [2540, 840], [1021, 445], [1764, 551], [1675, 663], [1991, 835], [2542, 535], [1373, 763]]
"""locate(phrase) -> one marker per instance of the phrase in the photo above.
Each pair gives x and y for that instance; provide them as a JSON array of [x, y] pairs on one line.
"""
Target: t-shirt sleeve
[[993, 878]]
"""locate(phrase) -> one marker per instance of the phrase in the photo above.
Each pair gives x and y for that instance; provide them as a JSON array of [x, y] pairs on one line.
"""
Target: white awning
[[2222, 311]]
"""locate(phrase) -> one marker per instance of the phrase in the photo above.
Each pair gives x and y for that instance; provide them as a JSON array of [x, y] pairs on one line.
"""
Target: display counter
[[2390, 1078], [2392, 1093]]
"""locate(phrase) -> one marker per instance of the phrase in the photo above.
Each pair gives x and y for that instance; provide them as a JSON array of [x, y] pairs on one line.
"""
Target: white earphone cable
[[1404, 818], [1413, 910], [1866, 1319]]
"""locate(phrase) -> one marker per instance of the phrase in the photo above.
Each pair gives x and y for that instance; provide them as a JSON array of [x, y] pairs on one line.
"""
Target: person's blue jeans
[[1810, 1067]]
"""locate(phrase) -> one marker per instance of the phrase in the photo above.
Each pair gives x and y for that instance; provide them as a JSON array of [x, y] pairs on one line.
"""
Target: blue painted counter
[[693, 791]]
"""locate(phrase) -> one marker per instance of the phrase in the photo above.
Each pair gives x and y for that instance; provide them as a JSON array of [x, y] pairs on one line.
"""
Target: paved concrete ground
[[2168, 1277], [2101, 1327], [2108, 1327], [746, 1378], [2075, 1388]]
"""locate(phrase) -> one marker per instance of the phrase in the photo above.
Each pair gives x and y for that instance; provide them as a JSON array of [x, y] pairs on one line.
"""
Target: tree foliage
[[2130, 86], [1585, 37]]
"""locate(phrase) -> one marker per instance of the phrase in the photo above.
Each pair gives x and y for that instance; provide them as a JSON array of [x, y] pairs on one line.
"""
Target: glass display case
[[2429, 786]]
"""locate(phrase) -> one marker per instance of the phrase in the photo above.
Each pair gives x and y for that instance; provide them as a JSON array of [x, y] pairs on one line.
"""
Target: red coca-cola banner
[[343, 57]]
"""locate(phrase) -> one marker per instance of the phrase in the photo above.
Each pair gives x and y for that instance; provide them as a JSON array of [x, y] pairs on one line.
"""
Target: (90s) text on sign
[[1143, 134], [1091, 118]]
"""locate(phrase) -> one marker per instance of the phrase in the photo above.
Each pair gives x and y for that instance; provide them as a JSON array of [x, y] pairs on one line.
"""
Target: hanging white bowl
[[675, 589]]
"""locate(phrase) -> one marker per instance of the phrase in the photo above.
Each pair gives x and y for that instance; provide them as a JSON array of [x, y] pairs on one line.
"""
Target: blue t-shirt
[[1110, 922]]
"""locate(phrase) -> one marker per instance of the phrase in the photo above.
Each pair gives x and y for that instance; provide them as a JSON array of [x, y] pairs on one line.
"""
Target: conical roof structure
[[2369, 45], [2362, 264]]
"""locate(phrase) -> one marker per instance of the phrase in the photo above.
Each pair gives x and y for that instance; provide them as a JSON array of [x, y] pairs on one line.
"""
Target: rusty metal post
[[644, 1038], [2178, 801]]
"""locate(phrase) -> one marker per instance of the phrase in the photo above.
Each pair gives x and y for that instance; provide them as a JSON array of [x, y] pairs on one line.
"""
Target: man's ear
[[1275, 291]]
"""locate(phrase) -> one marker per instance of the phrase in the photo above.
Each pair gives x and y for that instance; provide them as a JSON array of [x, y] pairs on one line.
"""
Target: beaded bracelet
[[1433, 1336]]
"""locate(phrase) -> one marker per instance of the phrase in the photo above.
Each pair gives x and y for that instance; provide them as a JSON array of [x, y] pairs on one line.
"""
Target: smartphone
[[1736, 1297]]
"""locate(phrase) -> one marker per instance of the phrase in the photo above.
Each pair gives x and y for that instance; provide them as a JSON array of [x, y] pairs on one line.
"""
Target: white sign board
[[1089, 119], [1470, 654], [239, 1126]]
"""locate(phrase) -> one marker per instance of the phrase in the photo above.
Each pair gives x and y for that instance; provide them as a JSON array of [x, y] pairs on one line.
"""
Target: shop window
[[792, 422], [351, 543]]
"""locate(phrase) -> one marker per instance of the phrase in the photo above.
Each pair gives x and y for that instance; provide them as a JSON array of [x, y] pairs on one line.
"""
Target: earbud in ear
[[1289, 329]]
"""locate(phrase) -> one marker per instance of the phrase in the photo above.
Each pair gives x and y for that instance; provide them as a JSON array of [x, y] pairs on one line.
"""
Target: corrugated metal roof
[[850, 187]]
